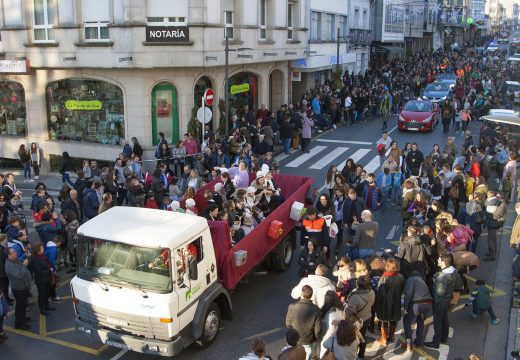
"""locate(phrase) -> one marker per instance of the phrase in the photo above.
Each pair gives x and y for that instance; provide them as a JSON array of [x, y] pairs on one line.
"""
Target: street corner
[[57, 329]]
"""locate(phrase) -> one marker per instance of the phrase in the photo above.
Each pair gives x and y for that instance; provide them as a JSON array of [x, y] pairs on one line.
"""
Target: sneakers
[[473, 315], [495, 322], [30, 180], [57, 300], [36, 178]]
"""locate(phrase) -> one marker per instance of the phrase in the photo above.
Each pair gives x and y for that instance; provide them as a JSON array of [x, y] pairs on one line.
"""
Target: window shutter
[[96, 10], [167, 8]]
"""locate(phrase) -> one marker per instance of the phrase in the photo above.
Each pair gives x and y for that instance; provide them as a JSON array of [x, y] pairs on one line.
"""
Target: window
[[96, 16], [186, 260], [96, 31], [319, 29], [314, 26], [263, 19], [344, 25], [228, 25], [12, 109], [85, 110], [290, 7], [356, 18], [332, 28], [44, 19], [166, 21], [365, 19]]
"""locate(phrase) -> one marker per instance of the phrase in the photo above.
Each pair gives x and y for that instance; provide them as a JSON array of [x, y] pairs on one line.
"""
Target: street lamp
[[226, 77]]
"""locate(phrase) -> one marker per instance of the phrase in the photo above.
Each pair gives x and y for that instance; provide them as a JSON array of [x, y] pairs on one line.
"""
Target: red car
[[418, 115]]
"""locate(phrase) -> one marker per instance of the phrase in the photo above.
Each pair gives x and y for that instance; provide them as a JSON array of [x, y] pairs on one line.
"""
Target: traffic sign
[[204, 115], [209, 96], [470, 21]]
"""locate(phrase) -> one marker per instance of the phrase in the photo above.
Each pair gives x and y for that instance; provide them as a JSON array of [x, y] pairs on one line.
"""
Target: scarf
[[390, 273]]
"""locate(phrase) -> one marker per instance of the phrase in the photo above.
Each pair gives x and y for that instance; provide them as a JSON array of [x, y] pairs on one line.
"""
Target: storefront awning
[[388, 49]]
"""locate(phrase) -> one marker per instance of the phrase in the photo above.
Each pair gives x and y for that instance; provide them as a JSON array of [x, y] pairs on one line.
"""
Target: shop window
[[85, 110], [13, 114], [243, 90]]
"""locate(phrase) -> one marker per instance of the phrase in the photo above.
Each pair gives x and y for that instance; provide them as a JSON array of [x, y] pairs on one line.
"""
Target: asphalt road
[[261, 301]]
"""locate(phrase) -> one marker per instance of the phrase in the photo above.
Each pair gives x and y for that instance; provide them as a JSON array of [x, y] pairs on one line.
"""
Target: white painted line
[[345, 142], [358, 155], [119, 354], [373, 165], [391, 233], [393, 129], [320, 164], [305, 157], [281, 157]]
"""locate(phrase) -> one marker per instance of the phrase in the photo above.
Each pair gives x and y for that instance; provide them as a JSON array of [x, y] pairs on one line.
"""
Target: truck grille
[[122, 323]]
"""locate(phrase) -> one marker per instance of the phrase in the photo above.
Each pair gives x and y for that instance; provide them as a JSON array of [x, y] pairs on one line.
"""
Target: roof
[[503, 116], [143, 227]]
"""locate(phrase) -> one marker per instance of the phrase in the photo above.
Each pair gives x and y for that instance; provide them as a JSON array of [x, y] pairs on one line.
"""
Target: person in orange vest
[[315, 230]]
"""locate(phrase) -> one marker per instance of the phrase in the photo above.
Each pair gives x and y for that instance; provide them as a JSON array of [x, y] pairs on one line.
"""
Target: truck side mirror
[[192, 268]]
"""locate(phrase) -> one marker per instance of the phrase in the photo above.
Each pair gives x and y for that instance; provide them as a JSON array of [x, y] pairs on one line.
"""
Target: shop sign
[[237, 89], [173, 34], [83, 105], [14, 66]]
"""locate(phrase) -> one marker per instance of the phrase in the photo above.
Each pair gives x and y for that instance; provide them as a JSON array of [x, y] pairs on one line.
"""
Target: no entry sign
[[209, 95]]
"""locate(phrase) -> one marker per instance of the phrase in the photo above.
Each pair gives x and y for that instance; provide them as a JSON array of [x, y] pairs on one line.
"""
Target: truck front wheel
[[210, 327]]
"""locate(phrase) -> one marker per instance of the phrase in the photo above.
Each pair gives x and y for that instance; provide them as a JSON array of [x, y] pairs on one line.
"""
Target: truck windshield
[[147, 269]]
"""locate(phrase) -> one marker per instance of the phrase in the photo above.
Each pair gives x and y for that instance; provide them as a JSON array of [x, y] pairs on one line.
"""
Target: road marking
[[345, 142], [497, 292], [358, 155], [391, 233], [67, 344], [119, 354], [393, 129], [320, 164], [61, 331], [43, 326], [373, 165], [305, 157], [283, 155]]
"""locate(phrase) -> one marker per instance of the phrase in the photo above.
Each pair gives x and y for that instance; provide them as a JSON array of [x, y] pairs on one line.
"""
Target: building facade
[[83, 75], [336, 27]]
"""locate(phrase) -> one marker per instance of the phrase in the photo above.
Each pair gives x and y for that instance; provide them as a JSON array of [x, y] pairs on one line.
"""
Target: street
[[260, 302]]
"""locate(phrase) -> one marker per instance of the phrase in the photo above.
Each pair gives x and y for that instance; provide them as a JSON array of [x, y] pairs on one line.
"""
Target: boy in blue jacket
[[52, 253], [397, 181], [480, 298]]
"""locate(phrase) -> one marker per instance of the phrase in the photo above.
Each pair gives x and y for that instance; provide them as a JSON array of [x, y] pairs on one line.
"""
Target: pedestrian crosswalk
[[321, 156]]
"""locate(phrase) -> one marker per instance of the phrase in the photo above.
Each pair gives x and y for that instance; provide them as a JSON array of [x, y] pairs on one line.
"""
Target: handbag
[[329, 354], [480, 217]]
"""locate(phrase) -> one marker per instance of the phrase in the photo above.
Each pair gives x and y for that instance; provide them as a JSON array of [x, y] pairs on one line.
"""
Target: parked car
[[418, 115], [437, 92]]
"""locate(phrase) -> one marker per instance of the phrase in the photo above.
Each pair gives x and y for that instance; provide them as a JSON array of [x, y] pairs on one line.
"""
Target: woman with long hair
[[349, 171], [25, 159], [331, 315], [344, 343], [137, 149], [35, 159], [329, 179]]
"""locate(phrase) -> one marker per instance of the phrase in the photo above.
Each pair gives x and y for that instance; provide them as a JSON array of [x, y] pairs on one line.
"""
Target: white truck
[[155, 281]]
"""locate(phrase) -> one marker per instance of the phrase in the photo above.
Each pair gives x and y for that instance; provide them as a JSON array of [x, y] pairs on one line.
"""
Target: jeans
[[309, 350], [339, 235], [418, 313], [364, 253], [441, 325], [65, 177], [396, 194], [36, 168], [286, 142], [27, 170], [489, 310], [352, 252], [21, 297], [474, 243]]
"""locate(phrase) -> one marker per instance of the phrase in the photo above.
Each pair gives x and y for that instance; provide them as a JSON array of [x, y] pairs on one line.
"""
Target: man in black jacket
[[305, 317], [72, 203], [286, 133], [496, 210], [414, 160]]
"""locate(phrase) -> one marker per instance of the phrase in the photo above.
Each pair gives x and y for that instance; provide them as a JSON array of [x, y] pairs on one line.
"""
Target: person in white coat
[[319, 283]]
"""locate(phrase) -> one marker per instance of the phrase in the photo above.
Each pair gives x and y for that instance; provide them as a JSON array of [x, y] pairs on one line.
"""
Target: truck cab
[[147, 281]]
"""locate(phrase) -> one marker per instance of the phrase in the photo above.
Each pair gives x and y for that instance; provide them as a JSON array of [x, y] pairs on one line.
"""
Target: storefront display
[[85, 110], [243, 90], [12, 109]]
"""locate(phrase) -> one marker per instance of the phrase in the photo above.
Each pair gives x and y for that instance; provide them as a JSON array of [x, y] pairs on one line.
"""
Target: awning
[[388, 49]]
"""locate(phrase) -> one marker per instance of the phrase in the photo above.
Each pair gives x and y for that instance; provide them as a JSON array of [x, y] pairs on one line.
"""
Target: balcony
[[360, 37]]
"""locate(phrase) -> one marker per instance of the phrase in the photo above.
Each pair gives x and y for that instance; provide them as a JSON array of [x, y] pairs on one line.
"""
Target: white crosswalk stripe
[[305, 157], [358, 155], [320, 164], [373, 165]]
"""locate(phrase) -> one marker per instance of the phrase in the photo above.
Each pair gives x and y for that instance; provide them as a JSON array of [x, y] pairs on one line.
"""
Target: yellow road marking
[[61, 331], [43, 326], [497, 292], [85, 349]]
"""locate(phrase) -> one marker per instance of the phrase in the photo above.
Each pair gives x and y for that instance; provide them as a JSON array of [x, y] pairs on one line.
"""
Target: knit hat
[[259, 174], [190, 203], [251, 190]]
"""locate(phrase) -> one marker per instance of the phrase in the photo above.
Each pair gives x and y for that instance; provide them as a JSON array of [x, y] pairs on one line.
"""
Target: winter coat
[[359, 206], [480, 298], [360, 302], [308, 262], [69, 204], [41, 269], [416, 290], [445, 283], [376, 199], [18, 274], [90, 203], [158, 189], [51, 252], [472, 208], [293, 353], [388, 297], [307, 128], [408, 197], [319, 284], [411, 250], [47, 232], [342, 352], [304, 317], [496, 210]]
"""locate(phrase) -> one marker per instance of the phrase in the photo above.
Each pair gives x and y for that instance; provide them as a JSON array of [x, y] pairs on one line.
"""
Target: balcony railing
[[360, 37]]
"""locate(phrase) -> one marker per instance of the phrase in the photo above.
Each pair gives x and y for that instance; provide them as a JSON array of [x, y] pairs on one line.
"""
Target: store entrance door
[[165, 113]]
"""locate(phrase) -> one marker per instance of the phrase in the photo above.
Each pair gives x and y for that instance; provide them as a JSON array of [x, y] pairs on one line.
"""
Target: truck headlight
[[85, 330]]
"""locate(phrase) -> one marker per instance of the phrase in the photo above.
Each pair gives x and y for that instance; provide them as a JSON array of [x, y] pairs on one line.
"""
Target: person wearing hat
[[191, 207], [248, 223]]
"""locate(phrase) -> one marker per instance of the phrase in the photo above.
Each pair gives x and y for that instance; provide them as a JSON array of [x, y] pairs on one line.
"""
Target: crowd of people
[[443, 196]]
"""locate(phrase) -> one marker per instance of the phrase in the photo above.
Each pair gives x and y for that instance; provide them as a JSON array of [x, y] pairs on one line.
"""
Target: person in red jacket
[[474, 167]]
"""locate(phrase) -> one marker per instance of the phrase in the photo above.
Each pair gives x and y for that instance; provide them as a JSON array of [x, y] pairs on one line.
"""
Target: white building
[[82, 75], [351, 19], [387, 24]]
